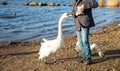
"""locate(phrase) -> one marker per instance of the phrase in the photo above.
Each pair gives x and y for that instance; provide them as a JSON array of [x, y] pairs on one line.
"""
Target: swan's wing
[[94, 45], [44, 51]]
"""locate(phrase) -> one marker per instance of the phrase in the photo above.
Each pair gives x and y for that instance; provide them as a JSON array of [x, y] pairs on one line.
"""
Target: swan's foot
[[51, 63], [54, 61]]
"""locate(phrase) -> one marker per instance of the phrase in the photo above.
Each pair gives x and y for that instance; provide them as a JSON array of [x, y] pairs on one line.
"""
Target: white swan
[[94, 45], [51, 46]]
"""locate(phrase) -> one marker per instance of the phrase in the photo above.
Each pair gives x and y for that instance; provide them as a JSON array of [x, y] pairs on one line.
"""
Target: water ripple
[[35, 23]]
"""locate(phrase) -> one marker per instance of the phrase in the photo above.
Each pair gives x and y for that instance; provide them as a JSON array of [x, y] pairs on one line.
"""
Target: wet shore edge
[[73, 36]]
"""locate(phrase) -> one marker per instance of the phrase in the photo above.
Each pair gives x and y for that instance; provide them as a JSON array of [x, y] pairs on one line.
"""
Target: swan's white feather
[[51, 46], [94, 45]]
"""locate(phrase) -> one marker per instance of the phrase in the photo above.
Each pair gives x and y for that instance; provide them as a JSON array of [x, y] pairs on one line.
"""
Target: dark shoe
[[87, 61]]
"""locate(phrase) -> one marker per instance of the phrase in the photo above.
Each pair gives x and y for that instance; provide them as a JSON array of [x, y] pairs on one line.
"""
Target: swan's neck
[[60, 28]]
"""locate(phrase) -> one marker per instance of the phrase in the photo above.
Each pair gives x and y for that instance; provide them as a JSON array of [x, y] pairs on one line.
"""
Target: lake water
[[35, 22]]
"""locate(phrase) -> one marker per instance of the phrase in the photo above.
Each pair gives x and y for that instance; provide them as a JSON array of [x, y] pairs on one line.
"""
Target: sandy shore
[[22, 56]]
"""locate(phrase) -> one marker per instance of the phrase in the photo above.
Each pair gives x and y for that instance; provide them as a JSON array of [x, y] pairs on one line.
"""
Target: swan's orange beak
[[69, 14]]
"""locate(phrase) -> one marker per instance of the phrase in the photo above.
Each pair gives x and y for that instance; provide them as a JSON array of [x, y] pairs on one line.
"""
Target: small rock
[[57, 4], [42, 4], [32, 4], [51, 4]]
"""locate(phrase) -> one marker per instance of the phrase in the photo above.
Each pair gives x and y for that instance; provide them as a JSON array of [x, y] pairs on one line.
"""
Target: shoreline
[[22, 56], [66, 36]]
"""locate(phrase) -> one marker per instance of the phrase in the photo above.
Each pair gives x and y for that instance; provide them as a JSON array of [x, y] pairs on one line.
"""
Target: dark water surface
[[34, 23]]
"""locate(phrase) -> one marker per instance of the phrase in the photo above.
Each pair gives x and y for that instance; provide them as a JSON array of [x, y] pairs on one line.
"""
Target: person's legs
[[83, 38], [85, 42], [79, 37]]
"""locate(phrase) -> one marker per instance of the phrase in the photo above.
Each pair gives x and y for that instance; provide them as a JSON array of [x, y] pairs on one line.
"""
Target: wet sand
[[22, 56]]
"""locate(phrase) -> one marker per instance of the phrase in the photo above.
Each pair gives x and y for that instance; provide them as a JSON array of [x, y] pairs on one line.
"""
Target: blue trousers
[[83, 38]]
